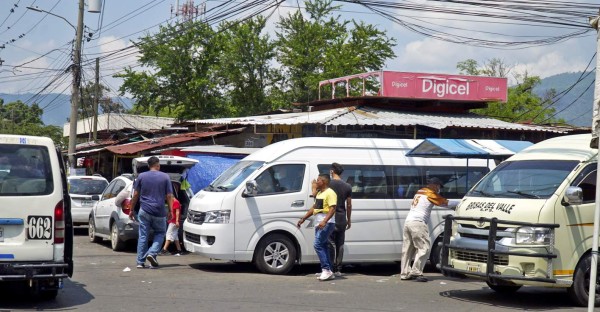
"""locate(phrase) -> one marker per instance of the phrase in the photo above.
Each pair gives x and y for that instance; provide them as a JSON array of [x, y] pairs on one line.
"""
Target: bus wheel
[[579, 291], [275, 254], [503, 289]]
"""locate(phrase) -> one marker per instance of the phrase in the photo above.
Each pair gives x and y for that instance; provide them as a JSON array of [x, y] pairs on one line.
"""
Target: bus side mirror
[[251, 189], [573, 195]]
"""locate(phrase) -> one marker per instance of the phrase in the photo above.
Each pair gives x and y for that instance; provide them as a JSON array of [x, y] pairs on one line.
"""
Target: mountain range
[[573, 104]]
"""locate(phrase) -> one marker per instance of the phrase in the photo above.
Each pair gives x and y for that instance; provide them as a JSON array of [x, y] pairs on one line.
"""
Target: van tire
[[115, 242], [579, 291], [275, 254], [92, 232], [435, 258]]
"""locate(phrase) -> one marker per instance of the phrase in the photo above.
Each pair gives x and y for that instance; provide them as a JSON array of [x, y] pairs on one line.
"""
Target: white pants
[[415, 246]]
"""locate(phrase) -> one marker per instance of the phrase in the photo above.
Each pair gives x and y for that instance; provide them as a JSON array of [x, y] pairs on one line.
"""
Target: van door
[[282, 198], [30, 192]]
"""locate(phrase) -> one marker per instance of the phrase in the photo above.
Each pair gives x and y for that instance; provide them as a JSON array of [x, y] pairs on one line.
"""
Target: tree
[[88, 94], [323, 47], [522, 105], [181, 77], [245, 69], [19, 118]]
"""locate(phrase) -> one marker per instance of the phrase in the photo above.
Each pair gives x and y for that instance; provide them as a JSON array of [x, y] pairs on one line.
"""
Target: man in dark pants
[[342, 216]]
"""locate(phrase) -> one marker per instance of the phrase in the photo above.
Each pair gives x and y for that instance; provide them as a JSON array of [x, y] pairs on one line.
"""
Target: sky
[[36, 46]]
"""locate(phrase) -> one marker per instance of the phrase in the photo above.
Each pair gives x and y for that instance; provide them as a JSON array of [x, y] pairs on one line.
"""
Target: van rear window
[[25, 170]]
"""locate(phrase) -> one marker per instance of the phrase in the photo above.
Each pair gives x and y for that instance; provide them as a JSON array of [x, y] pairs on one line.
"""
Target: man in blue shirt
[[152, 188]]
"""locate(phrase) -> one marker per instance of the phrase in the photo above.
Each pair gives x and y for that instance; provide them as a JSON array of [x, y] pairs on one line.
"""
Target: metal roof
[[219, 149], [150, 144], [117, 121], [366, 116]]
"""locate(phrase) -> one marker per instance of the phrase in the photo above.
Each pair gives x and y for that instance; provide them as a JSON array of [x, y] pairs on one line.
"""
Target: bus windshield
[[524, 179], [231, 178]]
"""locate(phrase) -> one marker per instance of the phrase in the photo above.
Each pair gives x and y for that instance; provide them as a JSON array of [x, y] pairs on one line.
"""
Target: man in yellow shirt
[[323, 210]]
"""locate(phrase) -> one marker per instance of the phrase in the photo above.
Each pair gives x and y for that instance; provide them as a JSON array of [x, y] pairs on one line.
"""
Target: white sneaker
[[326, 275], [337, 273]]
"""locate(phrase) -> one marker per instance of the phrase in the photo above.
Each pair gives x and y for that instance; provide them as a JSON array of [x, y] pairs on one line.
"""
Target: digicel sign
[[443, 87]]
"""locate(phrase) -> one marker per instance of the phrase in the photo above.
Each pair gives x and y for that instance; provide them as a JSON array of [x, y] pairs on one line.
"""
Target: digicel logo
[[441, 87]]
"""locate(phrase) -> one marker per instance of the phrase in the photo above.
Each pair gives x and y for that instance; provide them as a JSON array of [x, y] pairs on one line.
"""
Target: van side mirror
[[251, 189], [573, 195]]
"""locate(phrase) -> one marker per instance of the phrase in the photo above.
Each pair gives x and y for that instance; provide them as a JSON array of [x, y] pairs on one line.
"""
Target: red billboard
[[443, 87]]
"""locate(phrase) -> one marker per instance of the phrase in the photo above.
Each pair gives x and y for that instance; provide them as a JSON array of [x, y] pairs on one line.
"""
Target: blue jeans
[[159, 226], [322, 245]]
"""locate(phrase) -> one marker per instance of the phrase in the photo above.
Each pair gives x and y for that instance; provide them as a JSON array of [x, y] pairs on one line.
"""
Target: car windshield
[[232, 177], [524, 179], [86, 186]]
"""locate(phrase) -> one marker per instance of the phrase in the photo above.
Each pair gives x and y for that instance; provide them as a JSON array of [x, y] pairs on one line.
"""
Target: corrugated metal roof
[[150, 144], [219, 149], [366, 116], [120, 121]]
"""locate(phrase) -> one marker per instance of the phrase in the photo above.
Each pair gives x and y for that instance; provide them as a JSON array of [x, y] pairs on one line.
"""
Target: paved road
[[193, 283]]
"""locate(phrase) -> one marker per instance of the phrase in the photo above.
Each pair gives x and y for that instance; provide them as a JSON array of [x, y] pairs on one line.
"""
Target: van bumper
[[214, 241], [33, 271]]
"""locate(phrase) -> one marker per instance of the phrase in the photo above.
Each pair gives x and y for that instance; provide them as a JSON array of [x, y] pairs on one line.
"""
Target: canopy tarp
[[468, 148]]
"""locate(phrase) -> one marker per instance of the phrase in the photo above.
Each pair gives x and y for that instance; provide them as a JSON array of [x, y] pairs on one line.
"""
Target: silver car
[[81, 191]]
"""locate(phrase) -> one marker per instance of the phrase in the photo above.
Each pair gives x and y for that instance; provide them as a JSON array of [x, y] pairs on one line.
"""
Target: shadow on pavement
[[526, 298], [17, 296]]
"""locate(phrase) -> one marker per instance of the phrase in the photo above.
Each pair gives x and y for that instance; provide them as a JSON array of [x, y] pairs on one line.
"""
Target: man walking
[[323, 210], [415, 242], [152, 188], [343, 214]]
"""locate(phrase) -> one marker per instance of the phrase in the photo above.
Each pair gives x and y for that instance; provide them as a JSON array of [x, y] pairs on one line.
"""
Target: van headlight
[[217, 216], [532, 235]]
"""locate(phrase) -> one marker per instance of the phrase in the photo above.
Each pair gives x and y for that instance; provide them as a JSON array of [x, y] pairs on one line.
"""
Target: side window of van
[[587, 182], [407, 181], [281, 179]]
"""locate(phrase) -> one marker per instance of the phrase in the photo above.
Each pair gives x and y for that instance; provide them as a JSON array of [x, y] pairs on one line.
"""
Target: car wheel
[[435, 258], [503, 289], [115, 242], [579, 291], [276, 254], [92, 232]]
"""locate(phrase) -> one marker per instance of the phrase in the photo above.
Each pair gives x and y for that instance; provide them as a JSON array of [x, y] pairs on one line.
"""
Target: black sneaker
[[163, 252], [152, 260], [421, 278]]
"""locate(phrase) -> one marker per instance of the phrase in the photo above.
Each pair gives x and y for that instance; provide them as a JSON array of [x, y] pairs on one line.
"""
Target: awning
[[468, 148]]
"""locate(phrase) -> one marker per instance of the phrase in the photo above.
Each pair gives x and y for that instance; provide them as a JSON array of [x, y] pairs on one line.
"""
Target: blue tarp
[[468, 148], [208, 168]]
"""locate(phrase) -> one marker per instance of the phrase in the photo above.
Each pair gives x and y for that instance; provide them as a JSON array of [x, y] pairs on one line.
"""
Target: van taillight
[[59, 223], [126, 206]]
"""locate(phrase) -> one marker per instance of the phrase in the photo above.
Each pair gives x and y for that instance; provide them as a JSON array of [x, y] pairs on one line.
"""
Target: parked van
[[249, 213], [529, 221], [36, 231]]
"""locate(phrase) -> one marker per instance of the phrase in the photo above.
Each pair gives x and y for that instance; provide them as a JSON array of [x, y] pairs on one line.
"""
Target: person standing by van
[[152, 188], [415, 242], [343, 214], [323, 209]]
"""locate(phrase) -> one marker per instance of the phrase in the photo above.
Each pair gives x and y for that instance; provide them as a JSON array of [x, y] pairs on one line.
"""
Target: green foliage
[[522, 105], [19, 118], [194, 71]]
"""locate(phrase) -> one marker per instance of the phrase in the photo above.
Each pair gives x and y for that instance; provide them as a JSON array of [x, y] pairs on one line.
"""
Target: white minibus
[[249, 213], [529, 221]]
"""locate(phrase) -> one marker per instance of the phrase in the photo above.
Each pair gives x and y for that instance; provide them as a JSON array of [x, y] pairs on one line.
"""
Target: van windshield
[[524, 179], [232, 177]]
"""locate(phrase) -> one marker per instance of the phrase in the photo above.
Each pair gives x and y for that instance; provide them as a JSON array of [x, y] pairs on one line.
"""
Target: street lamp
[[76, 70]]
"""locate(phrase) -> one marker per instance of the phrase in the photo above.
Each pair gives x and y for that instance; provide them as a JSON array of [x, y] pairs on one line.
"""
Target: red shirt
[[176, 206]]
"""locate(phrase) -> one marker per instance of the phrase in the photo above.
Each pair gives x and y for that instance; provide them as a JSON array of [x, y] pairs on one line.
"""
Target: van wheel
[[435, 258], [275, 254], [115, 242], [579, 291], [92, 232], [503, 289]]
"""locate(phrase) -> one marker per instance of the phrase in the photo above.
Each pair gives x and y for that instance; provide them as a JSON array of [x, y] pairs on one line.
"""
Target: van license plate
[[473, 268], [86, 203]]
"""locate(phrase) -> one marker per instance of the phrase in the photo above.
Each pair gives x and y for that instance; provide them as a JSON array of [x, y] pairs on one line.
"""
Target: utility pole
[[96, 98], [594, 22], [76, 70]]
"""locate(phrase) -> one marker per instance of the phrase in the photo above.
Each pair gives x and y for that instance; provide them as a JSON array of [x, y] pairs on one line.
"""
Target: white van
[[249, 213], [36, 231], [529, 221]]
